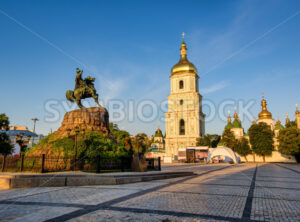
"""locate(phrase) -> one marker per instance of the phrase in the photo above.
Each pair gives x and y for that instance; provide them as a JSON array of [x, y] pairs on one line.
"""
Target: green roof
[[228, 126], [236, 124], [279, 127], [158, 133]]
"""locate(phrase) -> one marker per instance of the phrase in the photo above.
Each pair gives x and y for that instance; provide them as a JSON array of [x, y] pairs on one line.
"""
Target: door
[[190, 156]]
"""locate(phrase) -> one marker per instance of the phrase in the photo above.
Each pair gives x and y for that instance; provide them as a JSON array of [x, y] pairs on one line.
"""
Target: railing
[[154, 163], [44, 164]]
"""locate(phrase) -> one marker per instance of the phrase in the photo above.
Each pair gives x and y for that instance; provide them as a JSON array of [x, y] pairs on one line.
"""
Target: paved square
[[245, 192]]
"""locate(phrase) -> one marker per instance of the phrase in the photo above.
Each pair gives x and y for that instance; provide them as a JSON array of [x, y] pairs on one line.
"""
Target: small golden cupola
[[264, 114], [297, 111], [287, 120], [183, 65], [229, 117], [236, 116]]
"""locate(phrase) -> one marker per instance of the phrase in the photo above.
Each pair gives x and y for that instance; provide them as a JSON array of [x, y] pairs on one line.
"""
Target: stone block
[[125, 180], [4, 183]]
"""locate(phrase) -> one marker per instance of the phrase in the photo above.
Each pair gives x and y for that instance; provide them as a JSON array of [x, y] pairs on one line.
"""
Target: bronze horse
[[83, 89]]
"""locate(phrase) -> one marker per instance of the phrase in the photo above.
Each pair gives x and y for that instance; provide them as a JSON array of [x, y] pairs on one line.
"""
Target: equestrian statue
[[83, 89]]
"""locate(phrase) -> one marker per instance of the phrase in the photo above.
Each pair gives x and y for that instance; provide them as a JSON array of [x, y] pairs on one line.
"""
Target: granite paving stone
[[218, 192]]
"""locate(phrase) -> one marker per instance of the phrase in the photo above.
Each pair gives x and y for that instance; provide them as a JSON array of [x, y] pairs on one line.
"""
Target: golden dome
[[183, 65], [264, 114]]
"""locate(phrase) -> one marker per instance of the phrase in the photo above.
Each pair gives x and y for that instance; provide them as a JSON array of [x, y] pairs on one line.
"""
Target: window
[[181, 127], [181, 84], [181, 102]]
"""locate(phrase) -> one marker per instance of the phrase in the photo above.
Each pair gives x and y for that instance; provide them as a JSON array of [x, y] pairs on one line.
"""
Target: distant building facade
[[266, 117]]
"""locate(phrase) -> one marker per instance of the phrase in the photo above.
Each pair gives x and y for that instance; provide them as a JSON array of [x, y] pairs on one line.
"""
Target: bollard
[[98, 164], [122, 164], [3, 164], [159, 164], [43, 164]]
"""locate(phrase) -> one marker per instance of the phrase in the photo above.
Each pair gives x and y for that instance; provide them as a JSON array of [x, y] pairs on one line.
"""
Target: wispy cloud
[[215, 87], [235, 41]]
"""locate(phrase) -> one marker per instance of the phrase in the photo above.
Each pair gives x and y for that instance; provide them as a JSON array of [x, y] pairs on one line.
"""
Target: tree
[[228, 139], [141, 143], [4, 122], [5, 146], [210, 140], [289, 142], [291, 124], [261, 139], [242, 147], [121, 136]]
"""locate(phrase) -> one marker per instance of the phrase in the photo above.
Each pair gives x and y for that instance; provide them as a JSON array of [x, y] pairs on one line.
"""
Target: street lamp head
[[77, 130], [68, 131]]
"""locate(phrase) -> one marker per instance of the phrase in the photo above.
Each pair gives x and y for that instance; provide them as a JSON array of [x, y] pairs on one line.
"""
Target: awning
[[17, 132]]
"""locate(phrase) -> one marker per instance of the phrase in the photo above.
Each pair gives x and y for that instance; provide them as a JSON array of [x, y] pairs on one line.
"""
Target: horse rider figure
[[82, 84], [83, 89]]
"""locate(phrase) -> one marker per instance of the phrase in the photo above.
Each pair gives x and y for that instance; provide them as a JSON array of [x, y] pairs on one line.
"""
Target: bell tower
[[185, 121]]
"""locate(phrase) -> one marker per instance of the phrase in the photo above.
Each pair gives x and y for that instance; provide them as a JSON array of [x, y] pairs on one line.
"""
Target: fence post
[[43, 163], [98, 164], [159, 165], [3, 164], [122, 164], [22, 162]]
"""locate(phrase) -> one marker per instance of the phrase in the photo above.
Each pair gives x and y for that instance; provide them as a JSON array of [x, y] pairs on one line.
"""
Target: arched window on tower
[[181, 127], [181, 84]]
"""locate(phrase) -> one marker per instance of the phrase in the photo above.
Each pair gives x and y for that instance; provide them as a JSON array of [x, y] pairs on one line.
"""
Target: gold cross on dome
[[297, 105], [287, 114], [263, 95], [183, 35]]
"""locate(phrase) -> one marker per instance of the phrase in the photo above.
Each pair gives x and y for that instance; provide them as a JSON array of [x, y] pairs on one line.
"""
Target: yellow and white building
[[185, 121]]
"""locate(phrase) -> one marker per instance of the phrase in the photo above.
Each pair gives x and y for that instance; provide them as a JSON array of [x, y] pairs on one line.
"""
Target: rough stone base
[[88, 119]]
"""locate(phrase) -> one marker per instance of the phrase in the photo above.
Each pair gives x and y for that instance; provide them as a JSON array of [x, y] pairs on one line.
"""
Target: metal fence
[[44, 164]]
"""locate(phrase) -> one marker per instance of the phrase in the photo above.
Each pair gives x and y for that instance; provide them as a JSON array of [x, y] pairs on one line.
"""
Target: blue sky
[[241, 48]]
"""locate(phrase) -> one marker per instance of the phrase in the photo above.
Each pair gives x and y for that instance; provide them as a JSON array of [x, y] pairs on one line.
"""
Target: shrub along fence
[[45, 164]]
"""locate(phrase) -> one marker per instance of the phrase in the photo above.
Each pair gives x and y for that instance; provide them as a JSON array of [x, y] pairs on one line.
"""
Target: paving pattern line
[[44, 204], [248, 206], [108, 204], [296, 171], [177, 214]]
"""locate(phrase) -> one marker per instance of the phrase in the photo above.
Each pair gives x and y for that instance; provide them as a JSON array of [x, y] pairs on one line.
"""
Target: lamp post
[[34, 122], [77, 130]]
